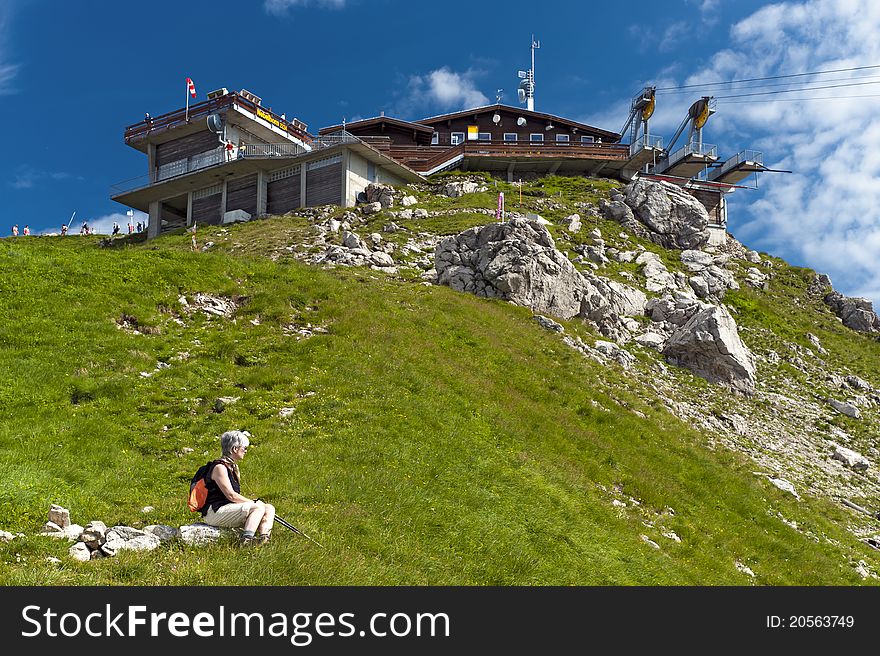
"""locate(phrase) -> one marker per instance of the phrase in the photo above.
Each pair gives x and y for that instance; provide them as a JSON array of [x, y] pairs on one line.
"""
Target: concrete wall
[[387, 177], [357, 177]]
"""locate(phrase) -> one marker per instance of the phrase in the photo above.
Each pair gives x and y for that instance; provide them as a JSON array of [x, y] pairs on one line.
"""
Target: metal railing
[[218, 156], [271, 150], [171, 170], [646, 141], [755, 156], [705, 150]]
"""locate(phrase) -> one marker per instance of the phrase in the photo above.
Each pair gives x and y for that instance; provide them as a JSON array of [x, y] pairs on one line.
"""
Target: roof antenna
[[498, 95], [526, 90]]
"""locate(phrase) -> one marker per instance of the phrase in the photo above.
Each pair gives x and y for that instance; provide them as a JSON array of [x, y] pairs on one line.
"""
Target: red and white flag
[[191, 87]]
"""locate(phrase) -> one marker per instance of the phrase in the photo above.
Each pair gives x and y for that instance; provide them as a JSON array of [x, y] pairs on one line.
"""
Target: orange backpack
[[198, 487]]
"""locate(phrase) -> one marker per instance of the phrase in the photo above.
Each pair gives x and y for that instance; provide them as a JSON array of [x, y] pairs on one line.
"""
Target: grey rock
[[572, 223], [709, 345], [334, 225], [856, 313], [651, 340], [94, 534], [80, 552], [858, 383], [161, 531], [381, 259], [371, 208], [785, 486], [420, 213], [668, 215], [852, 459], [699, 285], [406, 201], [845, 408], [457, 189], [549, 324], [696, 260], [200, 534], [59, 515], [221, 403], [286, 412]]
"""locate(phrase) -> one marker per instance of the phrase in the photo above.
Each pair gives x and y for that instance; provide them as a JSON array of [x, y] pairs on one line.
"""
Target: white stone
[[745, 569], [785, 486], [6, 536], [852, 459], [94, 534], [286, 412], [649, 541], [406, 201], [80, 552], [199, 535], [372, 208]]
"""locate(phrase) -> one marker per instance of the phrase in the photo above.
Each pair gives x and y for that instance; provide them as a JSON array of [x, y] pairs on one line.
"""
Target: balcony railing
[[646, 141], [755, 156], [704, 150], [218, 156]]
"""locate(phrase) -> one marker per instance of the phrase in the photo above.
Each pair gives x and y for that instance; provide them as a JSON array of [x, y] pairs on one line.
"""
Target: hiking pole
[[293, 528]]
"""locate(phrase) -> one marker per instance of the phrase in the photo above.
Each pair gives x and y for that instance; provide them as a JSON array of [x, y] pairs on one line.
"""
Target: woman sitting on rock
[[227, 508]]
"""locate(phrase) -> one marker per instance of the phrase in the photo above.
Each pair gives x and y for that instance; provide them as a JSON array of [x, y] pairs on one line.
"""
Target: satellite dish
[[521, 94], [215, 123], [496, 118], [521, 120]]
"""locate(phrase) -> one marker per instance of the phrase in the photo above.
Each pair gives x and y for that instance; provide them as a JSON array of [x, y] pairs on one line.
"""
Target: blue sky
[[74, 74]]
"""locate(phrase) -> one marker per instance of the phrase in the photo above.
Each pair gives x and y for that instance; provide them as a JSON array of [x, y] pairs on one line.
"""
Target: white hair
[[231, 440]]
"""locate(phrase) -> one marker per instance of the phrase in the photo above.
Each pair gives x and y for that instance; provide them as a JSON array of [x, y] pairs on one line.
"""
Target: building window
[[536, 137], [562, 138], [484, 136], [435, 138], [587, 140], [456, 138], [510, 136]]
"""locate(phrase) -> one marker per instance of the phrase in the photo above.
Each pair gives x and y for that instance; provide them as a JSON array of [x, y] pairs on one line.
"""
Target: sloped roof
[[431, 120], [377, 120]]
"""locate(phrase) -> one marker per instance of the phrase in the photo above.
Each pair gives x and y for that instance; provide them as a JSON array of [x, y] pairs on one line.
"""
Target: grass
[[437, 438]]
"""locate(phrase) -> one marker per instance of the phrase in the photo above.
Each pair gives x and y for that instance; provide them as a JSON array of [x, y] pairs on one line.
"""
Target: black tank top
[[216, 499]]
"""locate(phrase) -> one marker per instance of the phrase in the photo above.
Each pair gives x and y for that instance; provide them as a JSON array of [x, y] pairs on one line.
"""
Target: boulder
[[420, 213], [852, 459], [662, 212], [455, 189], [161, 531], [381, 259], [80, 552], [856, 313], [199, 535], [709, 345], [371, 208], [844, 408], [518, 261], [406, 201], [379, 193], [94, 534], [572, 223], [352, 240]]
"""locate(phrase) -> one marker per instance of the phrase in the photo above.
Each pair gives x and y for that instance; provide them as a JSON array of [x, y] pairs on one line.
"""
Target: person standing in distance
[[226, 507]]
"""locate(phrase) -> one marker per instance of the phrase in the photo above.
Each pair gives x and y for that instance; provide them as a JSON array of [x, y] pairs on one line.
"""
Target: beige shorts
[[232, 515]]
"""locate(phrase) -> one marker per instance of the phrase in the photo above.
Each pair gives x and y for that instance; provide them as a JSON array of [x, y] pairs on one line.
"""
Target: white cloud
[[8, 70], [281, 7], [27, 177], [441, 90]]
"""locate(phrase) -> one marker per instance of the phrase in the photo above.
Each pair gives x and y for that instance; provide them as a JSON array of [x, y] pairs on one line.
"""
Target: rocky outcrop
[[709, 345], [380, 193], [661, 212], [856, 313], [457, 188], [518, 261]]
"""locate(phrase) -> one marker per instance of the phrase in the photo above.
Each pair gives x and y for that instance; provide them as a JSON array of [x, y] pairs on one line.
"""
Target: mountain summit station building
[[230, 159]]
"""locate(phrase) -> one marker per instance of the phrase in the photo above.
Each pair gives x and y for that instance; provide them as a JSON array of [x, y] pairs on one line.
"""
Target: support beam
[[554, 168], [189, 209], [303, 170], [155, 221], [510, 169], [346, 178], [223, 202], [262, 192]]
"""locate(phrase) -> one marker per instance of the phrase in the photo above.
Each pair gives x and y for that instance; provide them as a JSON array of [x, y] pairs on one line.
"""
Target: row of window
[[535, 137]]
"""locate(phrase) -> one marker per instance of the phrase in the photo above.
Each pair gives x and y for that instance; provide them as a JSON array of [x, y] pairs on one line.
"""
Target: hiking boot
[[262, 538], [247, 542]]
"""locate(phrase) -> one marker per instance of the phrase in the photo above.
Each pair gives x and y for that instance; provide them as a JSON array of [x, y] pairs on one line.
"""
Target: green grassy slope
[[437, 438]]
